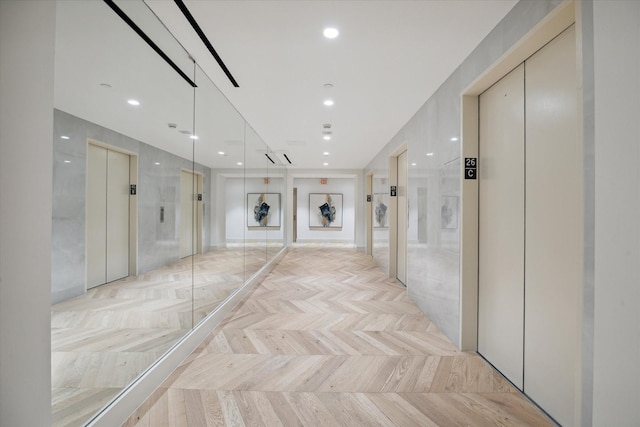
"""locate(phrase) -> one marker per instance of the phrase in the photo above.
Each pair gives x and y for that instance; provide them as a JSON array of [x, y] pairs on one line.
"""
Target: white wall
[[27, 34], [616, 373], [345, 186]]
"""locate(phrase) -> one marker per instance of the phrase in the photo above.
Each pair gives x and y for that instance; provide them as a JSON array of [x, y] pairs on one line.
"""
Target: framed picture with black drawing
[[263, 210], [325, 211]]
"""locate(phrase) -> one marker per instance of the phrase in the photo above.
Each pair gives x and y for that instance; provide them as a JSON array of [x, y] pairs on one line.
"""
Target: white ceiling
[[388, 60]]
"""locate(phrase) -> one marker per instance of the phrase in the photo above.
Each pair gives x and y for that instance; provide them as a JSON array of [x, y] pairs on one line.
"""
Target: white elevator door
[[188, 224], [501, 226], [554, 228], [107, 215], [530, 227], [401, 266]]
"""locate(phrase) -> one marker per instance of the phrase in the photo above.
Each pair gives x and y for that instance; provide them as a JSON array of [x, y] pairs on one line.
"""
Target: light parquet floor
[[104, 339], [328, 340]]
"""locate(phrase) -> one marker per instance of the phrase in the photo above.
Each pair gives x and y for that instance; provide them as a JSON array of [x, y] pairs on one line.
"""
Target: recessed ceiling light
[[331, 33], [133, 102], [429, 154], [413, 164], [239, 163], [326, 164], [454, 139], [67, 161], [193, 136], [326, 153], [157, 163], [326, 137], [328, 102], [221, 153], [64, 137]]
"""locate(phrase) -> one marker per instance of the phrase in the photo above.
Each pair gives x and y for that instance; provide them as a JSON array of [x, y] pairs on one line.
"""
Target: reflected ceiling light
[[221, 153], [239, 163], [413, 164], [454, 139], [64, 137], [326, 164], [133, 102], [326, 137], [193, 136], [326, 153], [157, 163], [429, 154], [67, 161], [331, 33], [328, 102]]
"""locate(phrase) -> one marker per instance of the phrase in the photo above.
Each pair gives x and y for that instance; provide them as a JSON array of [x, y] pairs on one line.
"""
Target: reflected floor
[[102, 340]]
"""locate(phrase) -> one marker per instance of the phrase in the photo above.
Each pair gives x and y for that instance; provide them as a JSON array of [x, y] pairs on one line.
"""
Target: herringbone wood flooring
[[328, 340], [104, 339]]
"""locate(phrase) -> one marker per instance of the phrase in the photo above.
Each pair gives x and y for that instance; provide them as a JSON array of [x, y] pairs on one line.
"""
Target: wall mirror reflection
[[148, 238]]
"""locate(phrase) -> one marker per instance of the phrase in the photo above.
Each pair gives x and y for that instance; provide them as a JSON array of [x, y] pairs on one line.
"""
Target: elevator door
[[501, 226], [403, 222], [530, 225], [190, 213], [107, 215]]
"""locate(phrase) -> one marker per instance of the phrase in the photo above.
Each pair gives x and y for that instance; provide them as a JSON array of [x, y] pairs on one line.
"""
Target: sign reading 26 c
[[470, 168]]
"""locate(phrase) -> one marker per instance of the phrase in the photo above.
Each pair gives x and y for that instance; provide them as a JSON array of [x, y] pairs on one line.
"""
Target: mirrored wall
[[165, 201]]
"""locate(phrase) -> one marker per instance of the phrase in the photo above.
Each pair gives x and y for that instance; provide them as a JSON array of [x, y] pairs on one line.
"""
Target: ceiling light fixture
[[328, 102], [157, 163], [331, 33], [326, 153], [64, 137], [429, 154], [326, 164], [413, 164], [67, 161], [454, 139], [221, 153], [193, 136], [239, 163], [133, 102], [327, 137]]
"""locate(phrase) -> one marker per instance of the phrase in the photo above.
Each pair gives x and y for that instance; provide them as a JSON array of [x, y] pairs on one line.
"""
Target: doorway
[[295, 214], [107, 215]]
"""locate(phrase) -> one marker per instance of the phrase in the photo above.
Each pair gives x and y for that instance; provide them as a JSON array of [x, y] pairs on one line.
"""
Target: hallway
[[327, 339]]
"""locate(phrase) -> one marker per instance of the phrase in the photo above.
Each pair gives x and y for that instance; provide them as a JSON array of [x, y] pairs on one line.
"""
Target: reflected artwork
[[264, 210], [325, 211], [381, 203]]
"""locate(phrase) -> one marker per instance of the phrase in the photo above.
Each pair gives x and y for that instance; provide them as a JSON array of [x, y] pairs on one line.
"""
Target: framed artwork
[[325, 211], [263, 210], [449, 212], [381, 210]]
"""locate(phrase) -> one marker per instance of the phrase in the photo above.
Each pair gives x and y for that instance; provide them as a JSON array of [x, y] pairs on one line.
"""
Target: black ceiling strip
[[287, 157], [205, 40], [269, 158], [150, 42]]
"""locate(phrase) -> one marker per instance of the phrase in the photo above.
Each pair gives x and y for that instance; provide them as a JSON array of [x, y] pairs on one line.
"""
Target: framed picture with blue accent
[[263, 210], [325, 211]]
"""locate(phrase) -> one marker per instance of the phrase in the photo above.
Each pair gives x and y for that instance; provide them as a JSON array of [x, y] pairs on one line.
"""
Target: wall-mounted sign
[[368, 197], [470, 168], [393, 191], [132, 189]]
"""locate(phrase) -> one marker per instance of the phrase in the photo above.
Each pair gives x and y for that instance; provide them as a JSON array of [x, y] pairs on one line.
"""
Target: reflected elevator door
[[190, 213], [401, 266], [107, 215]]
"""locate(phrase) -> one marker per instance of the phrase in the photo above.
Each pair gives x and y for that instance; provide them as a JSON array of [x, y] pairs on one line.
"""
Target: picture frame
[[263, 210], [381, 211], [325, 211]]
